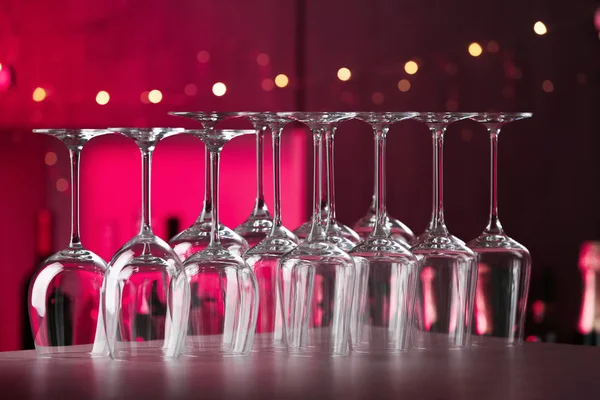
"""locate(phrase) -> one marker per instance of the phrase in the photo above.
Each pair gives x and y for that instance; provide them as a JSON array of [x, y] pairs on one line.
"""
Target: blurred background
[[128, 62]]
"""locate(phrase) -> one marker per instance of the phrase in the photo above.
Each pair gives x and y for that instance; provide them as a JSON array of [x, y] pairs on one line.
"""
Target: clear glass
[[447, 268], [386, 271], [197, 236], [263, 257], [316, 280], [146, 291], [504, 265], [65, 293], [224, 305], [259, 223], [337, 233], [380, 122]]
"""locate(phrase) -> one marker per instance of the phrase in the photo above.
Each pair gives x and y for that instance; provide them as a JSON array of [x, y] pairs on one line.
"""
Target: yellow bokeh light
[[102, 97], [281, 80], [344, 74], [411, 67], [39, 94], [404, 85], [475, 49], [219, 89], [155, 96], [540, 28]]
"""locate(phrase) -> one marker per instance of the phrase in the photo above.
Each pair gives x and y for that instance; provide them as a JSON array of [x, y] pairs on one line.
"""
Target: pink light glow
[[430, 315], [111, 186]]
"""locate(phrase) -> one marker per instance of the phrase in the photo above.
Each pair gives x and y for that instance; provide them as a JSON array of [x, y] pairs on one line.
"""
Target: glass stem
[[437, 224], [74, 153], [146, 228], [330, 174], [323, 187], [276, 137], [260, 207], [380, 229], [494, 226], [214, 196], [207, 208], [317, 231]]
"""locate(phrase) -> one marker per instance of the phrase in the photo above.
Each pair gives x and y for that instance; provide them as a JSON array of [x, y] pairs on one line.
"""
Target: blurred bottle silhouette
[[538, 323], [43, 250], [588, 328]]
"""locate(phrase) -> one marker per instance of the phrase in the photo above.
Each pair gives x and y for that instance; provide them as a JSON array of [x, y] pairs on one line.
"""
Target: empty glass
[[316, 279], [263, 257], [146, 291], [447, 268], [385, 271], [223, 309], [197, 236], [259, 223], [337, 233], [364, 226], [65, 293], [504, 264]]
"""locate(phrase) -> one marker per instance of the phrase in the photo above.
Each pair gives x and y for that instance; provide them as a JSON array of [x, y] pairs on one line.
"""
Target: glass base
[[78, 351], [436, 341], [315, 352], [143, 351], [493, 342], [255, 229]]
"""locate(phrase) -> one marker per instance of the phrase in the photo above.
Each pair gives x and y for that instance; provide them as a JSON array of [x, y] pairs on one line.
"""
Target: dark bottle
[[588, 326], [538, 324]]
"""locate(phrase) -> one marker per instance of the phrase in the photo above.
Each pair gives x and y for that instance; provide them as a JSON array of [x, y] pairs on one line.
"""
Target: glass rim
[[145, 130], [71, 131], [207, 114], [218, 131], [509, 116]]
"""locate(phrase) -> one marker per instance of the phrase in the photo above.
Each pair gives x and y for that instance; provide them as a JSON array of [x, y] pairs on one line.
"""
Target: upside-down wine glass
[[504, 264], [146, 291], [197, 236], [337, 233], [224, 304], [258, 225], [316, 279], [65, 293], [365, 225], [447, 268], [386, 270], [263, 257]]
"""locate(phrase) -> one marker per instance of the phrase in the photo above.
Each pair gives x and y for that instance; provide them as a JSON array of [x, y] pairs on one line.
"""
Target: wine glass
[[447, 268], [316, 279], [256, 227], [224, 295], [504, 264], [263, 257], [65, 293], [381, 122], [337, 233], [197, 236], [386, 270], [146, 291]]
